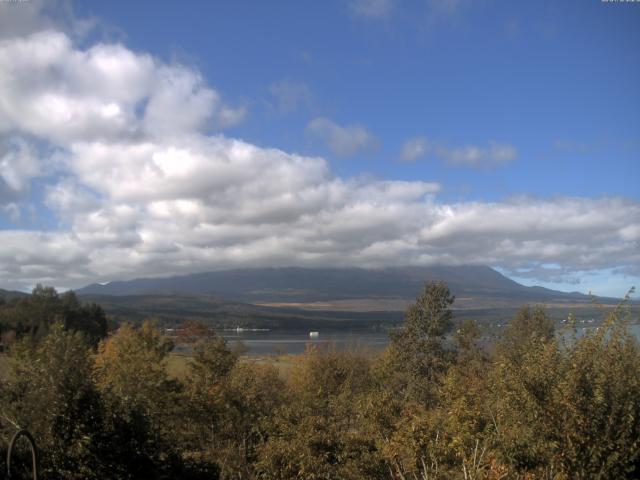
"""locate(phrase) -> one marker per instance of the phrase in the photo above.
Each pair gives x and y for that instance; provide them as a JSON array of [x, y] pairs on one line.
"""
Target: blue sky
[[558, 80], [510, 129]]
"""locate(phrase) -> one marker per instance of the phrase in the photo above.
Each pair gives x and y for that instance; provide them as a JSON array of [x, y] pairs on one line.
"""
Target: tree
[[465, 407], [140, 400], [252, 393], [212, 361], [204, 395], [417, 349], [596, 425], [531, 326], [319, 431], [88, 318], [131, 366], [570, 408], [50, 392], [192, 331], [227, 404], [33, 315]]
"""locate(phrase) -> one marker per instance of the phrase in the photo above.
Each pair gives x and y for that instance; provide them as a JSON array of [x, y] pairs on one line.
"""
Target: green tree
[[211, 362], [203, 415], [88, 318], [50, 392], [417, 352], [226, 407], [33, 315], [252, 395]]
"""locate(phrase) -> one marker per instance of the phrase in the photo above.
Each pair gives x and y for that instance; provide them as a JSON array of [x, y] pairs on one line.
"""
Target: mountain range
[[322, 297], [472, 285], [10, 294]]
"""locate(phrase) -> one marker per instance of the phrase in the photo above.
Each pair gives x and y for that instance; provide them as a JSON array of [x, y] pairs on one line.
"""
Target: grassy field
[[178, 363]]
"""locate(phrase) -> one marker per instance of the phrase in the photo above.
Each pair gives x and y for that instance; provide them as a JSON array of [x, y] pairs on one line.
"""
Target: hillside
[[303, 285], [325, 298], [10, 294], [174, 309]]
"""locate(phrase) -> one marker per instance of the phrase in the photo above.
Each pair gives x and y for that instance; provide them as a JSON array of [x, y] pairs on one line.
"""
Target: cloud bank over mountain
[[138, 178]]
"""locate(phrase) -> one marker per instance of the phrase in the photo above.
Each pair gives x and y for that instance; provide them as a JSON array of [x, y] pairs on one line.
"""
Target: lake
[[259, 343], [295, 342]]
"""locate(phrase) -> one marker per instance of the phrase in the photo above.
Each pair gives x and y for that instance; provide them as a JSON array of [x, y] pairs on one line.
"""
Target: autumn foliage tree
[[319, 431], [569, 408], [438, 403], [50, 392], [130, 372]]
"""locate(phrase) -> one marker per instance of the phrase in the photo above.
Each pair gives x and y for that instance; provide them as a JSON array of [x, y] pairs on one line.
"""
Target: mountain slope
[[260, 285], [174, 309], [10, 294]]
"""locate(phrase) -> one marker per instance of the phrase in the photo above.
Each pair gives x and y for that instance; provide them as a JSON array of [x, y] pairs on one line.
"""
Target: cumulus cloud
[[68, 198], [25, 17], [55, 91], [414, 148], [18, 165], [181, 90], [374, 9], [343, 141], [143, 188]]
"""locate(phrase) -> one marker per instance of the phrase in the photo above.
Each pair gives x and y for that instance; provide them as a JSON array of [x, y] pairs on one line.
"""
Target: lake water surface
[[295, 342], [259, 343]]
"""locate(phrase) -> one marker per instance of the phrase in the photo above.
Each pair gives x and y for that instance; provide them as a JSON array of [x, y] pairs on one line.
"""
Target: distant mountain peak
[[299, 284]]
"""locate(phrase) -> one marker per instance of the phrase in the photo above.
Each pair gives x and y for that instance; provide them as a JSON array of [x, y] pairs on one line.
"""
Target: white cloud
[[310, 218], [25, 17], [141, 188], [55, 91], [181, 90], [18, 165], [343, 141], [374, 9], [68, 198], [414, 148]]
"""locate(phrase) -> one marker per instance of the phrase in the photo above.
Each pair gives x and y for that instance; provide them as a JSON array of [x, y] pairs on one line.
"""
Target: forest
[[437, 403]]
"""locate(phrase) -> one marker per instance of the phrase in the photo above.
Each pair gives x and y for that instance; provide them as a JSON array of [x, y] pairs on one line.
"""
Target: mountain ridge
[[11, 294], [298, 284]]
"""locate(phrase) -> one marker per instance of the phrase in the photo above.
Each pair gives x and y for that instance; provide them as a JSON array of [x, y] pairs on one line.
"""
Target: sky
[[157, 138]]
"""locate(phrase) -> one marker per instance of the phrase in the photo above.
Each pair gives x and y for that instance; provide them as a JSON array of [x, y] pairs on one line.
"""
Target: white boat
[[314, 334]]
